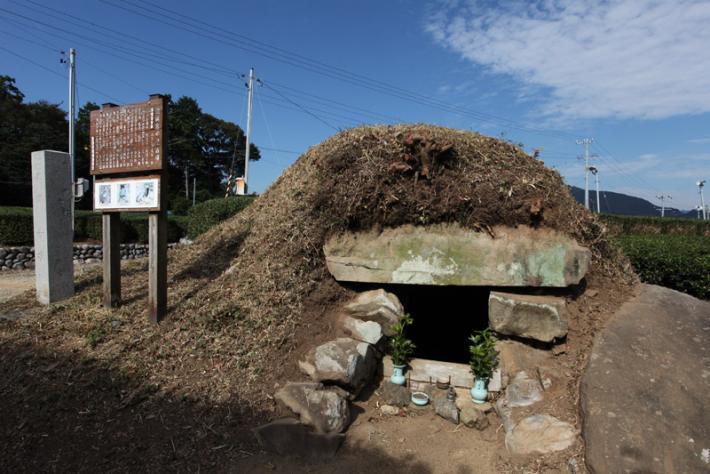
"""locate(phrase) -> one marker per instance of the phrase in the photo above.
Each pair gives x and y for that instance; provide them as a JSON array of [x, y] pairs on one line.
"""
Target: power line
[[217, 68], [57, 73], [308, 110], [288, 57], [302, 108]]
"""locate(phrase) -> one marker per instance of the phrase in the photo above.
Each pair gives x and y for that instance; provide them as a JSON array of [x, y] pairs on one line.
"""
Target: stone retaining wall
[[18, 258]]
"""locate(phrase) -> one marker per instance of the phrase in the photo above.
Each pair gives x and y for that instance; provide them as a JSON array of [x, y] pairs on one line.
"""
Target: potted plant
[[401, 349], [484, 360]]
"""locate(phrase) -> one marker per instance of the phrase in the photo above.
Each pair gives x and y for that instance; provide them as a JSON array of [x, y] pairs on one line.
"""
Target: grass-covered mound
[[252, 294]]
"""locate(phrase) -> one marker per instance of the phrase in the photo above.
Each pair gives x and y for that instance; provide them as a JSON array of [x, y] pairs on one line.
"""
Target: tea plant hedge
[[681, 262], [16, 226], [209, 213]]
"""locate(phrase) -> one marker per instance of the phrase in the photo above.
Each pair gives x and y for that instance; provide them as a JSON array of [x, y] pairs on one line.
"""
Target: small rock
[[495, 383], [540, 434], [288, 437], [485, 407], [545, 380], [523, 391], [559, 349], [474, 418], [591, 293], [18, 266], [389, 410], [505, 413], [446, 408], [397, 395]]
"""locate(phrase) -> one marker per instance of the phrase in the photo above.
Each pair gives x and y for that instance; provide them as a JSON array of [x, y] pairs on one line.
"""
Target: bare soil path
[[14, 282]]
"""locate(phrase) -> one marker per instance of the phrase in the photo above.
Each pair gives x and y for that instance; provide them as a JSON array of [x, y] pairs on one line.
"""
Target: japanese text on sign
[[127, 138]]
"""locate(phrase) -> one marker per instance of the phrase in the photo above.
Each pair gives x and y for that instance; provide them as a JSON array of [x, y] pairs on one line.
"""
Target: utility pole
[[250, 87], [595, 172], [72, 113], [586, 142], [701, 185], [72, 125], [663, 197]]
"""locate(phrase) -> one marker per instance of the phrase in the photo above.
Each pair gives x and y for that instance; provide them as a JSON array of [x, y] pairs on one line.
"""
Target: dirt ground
[[12, 283]]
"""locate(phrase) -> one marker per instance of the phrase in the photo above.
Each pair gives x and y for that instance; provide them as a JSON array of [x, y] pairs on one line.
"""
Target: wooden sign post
[[128, 145]]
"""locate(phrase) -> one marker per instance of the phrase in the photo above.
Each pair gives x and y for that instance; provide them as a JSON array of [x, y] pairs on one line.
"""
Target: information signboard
[[128, 138], [128, 143]]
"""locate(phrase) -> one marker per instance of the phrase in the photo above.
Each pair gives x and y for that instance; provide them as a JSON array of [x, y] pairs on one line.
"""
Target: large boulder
[[288, 437], [540, 434], [645, 394], [378, 306], [343, 361], [326, 410], [543, 318], [447, 254]]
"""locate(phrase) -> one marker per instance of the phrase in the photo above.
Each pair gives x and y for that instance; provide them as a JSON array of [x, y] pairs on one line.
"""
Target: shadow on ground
[[68, 413]]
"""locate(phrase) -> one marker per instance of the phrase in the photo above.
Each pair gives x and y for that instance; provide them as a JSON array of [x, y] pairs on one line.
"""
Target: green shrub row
[[624, 225], [681, 262], [16, 222], [209, 213], [16, 226]]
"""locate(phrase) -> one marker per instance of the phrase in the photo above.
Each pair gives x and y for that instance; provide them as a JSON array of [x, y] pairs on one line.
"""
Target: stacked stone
[[133, 251], [87, 253], [17, 258], [339, 370]]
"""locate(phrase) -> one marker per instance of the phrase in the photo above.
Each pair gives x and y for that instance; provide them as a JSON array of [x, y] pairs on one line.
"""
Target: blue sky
[[633, 75]]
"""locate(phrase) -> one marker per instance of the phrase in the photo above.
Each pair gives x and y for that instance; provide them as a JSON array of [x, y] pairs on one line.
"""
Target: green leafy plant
[[95, 336], [401, 348], [484, 356]]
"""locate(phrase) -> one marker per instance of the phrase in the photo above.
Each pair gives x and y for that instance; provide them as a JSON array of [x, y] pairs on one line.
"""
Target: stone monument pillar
[[53, 231]]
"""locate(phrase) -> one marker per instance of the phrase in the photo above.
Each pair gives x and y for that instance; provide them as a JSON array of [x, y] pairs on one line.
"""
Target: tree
[[199, 146], [83, 149], [24, 128], [204, 147]]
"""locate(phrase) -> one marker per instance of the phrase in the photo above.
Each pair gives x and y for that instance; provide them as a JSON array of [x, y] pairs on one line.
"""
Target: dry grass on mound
[[252, 294]]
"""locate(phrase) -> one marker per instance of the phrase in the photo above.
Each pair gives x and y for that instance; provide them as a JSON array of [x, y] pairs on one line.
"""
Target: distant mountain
[[617, 203]]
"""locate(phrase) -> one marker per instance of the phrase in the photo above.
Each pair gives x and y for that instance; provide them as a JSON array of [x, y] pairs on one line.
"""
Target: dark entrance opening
[[444, 317]]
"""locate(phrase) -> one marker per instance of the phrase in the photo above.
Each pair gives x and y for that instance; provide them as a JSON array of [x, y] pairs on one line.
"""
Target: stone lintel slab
[[448, 254]]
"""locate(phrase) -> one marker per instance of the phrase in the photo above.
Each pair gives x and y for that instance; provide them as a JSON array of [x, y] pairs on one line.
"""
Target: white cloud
[[699, 141], [593, 59]]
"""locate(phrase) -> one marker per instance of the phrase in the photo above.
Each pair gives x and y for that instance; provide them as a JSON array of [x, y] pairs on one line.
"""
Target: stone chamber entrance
[[444, 317]]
